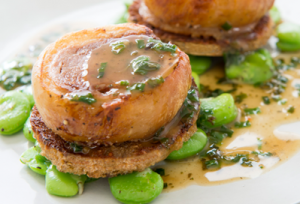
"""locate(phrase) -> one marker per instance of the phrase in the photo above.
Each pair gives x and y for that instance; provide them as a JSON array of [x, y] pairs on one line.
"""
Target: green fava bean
[[199, 64], [63, 184], [27, 131], [196, 79], [275, 14], [36, 162], [14, 111], [137, 187], [289, 32], [27, 91], [289, 37], [215, 112], [288, 47], [191, 147], [252, 68]]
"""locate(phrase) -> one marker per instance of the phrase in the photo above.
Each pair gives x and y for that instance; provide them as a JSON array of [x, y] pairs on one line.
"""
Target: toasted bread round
[[108, 161], [125, 117], [209, 45]]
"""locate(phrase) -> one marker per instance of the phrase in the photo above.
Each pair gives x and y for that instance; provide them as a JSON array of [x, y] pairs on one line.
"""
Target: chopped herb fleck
[[282, 79], [188, 109], [225, 80], [217, 135], [158, 132], [239, 98], [291, 109], [295, 60], [141, 65], [266, 100], [117, 47], [205, 115], [137, 87], [211, 164], [153, 82], [266, 154], [140, 44], [207, 92], [213, 152], [245, 161], [102, 70], [160, 171], [15, 73], [227, 26], [76, 148], [124, 83], [164, 142], [165, 185], [282, 101], [89, 98], [251, 111], [242, 124], [276, 98], [192, 96], [233, 159], [161, 46], [279, 61]]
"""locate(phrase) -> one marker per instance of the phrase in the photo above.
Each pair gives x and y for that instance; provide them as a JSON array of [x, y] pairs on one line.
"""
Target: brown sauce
[[118, 66], [180, 174]]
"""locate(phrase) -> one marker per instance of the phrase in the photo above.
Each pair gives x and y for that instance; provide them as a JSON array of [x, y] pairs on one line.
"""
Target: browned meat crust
[[117, 121], [108, 161], [210, 46], [205, 13]]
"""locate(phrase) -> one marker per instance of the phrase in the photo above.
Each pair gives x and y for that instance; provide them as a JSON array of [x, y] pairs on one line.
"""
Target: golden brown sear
[[207, 27], [204, 14], [115, 117]]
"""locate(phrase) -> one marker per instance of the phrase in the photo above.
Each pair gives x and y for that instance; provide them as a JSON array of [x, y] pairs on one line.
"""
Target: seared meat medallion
[[112, 100], [208, 28]]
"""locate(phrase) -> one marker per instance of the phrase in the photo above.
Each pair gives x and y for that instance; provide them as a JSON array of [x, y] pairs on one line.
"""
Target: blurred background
[[19, 16]]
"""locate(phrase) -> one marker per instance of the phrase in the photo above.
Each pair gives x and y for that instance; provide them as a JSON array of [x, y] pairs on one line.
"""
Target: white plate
[[18, 184]]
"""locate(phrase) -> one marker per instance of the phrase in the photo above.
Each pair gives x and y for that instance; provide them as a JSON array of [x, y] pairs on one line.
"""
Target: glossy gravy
[[263, 131], [118, 66]]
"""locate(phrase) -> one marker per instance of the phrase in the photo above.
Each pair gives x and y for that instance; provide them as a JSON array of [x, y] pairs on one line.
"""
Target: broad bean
[[63, 184], [196, 79], [14, 111], [275, 15], [35, 161], [57, 183], [215, 112], [199, 64], [27, 91], [252, 68], [191, 147], [137, 187], [27, 131], [289, 37]]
